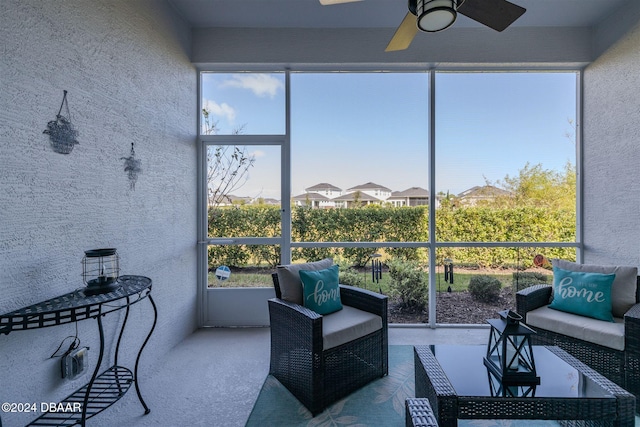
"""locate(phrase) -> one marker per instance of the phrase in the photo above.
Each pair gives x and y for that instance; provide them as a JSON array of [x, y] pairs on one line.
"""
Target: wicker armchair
[[319, 377], [621, 367]]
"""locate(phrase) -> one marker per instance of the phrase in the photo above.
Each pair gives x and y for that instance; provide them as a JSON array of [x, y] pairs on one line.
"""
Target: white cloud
[[223, 110], [259, 84], [258, 153]]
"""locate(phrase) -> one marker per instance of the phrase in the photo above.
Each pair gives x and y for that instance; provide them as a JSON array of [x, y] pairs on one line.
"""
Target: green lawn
[[461, 280], [243, 280]]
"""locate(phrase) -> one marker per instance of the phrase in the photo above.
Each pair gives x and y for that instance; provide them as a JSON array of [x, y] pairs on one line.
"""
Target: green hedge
[[404, 224], [367, 224], [526, 224]]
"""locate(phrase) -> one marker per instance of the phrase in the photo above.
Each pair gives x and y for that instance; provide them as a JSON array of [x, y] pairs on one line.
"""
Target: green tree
[[357, 199], [535, 186]]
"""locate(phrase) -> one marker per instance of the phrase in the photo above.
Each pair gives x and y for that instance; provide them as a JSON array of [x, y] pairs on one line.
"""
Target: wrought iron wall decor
[[62, 133], [132, 167]]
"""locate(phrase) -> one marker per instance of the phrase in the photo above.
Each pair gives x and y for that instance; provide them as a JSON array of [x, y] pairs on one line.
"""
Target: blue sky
[[351, 128]]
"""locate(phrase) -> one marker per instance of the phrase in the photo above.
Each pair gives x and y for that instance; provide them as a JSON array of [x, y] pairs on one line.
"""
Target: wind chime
[[448, 273], [376, 268]]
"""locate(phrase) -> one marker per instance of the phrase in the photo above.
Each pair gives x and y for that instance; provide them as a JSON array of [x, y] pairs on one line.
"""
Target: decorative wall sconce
[[132, 167], [62, 133]]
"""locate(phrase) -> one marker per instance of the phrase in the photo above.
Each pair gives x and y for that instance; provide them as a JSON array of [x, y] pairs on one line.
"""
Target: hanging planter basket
[[62, 133]]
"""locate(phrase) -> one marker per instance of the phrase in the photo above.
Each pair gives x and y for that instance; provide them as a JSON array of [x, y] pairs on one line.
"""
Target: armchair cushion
[[347, 325], [289, 278], [321, 290], [607, 334], [623, 290], [587, 294]]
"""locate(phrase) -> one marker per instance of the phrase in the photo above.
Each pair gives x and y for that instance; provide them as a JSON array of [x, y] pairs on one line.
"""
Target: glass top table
[[557, 377], [459, 386]]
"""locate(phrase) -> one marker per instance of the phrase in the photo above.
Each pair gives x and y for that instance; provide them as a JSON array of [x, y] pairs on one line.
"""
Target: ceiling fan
[[437, 15]]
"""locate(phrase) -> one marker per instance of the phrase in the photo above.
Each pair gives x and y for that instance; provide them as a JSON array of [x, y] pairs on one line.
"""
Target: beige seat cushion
[[623, 289], [607, 334], [346, 325], [289, 278]]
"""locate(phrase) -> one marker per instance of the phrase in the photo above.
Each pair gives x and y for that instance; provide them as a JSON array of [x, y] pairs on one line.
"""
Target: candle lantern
[[100, 270], [509, 351]]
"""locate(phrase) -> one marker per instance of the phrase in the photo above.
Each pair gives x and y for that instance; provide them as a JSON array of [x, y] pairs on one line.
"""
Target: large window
[[359, 167], [505, 151], [242, 103], [242, 126], [359, 140]]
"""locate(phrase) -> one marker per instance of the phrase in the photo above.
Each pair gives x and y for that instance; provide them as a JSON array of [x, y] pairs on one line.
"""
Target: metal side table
[[104, 389]]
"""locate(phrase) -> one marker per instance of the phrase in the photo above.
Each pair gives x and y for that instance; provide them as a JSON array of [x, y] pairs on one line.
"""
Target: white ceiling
[[373, 13]]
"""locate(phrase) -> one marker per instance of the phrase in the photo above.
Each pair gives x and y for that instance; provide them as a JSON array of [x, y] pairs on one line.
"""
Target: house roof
[[323, 186], [271, 201], [230, 198], [311, 196], [484, 191], [363, 197], [369, 186], [411, 192]]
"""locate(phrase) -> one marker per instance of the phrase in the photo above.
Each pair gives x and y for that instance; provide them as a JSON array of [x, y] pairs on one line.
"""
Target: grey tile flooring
[[214, 376]]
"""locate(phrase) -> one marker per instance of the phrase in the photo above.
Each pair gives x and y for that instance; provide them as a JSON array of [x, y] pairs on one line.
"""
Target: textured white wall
[[612, 154], [129, 79]]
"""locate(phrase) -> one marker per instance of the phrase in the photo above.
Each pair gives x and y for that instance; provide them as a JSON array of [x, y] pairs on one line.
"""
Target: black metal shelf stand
[[105, 389]]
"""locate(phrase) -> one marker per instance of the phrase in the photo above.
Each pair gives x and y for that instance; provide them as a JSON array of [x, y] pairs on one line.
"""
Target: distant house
[[474, 195], [414, 196], [325, 189], [318, 196], [267, 201], [379, 192], [325, 195], [230, 200], [356, 198], [314, 200]]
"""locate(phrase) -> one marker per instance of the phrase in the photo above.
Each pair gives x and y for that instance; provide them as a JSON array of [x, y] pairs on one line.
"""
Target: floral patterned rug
[[380, 403]]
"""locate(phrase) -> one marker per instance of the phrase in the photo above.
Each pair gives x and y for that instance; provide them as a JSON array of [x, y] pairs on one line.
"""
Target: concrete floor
[[214, 376]]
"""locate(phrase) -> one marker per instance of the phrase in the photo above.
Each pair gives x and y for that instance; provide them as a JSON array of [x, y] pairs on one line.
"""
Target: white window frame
[[284, 240]]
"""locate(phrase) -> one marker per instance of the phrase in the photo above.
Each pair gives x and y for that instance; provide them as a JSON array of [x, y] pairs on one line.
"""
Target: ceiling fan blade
[[404, 35], [329, 2], [496, 14]]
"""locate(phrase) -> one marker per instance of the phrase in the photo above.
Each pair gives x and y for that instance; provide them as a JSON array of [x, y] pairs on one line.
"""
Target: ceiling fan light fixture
[[436, 15]]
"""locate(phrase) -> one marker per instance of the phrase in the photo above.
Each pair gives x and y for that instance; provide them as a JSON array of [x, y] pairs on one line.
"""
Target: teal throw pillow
[[586, 294], [320, 289]]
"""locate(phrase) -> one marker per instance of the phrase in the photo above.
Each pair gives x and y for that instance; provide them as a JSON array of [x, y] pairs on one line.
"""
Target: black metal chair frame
[[621, 367], [319, 377]]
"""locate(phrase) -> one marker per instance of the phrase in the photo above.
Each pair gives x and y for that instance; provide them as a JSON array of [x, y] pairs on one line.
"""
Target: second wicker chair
[[319, 376]]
